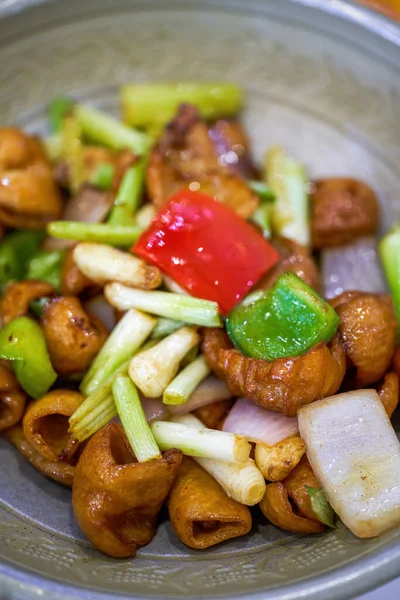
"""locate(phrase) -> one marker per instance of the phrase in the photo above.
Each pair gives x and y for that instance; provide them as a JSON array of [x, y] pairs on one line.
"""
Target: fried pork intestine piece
[[60, 471], [233, 147], [185, 156], [285, 384], [29, 197], [388, 392], [18, 295], [212, 415], [368, 331], [12, 399], [46, 422], [115, 499], [201, 513], [294, 258], [73, 281], [278, 509], [213, 340], [73, 336], [342, 209]]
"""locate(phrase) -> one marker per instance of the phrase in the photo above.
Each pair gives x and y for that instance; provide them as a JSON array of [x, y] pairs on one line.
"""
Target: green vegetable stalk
[[153, 105], [390, 255], [102, 176], [129, 196], [285, 321], [108, 131], [181, 388], [103, 233], [321, 507], [22, 341], [59, 108]]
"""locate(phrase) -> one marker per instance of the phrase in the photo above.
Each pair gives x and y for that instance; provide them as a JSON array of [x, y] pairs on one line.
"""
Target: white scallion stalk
[[184, 384], [355, 454], [210, 390], [174, 287], [125, 339], [105, 129], [145, 216], [203, 443], [134, 420], [103, 263], [95, 417], [242, 481], [165, 304], [153, 369], [390, 254], [290, 212]]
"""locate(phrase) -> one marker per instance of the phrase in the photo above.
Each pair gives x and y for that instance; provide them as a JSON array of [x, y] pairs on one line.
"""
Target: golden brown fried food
[[116, 500], [73, 281], [285, 384], [12, 399], [294, 258], [276, 462], [389, 392], [60, 471], [396, 361], [233, 147], [276, 505], [201, 514], [29, 197], [46, 423], [73, 336], [214, 340], [343, 209], [368, 331], [185, 157], [18, 295], [213, 414]]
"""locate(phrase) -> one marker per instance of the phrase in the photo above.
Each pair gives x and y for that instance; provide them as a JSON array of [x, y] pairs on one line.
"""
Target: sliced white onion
[[355, 454], [355, 266], [208, 391], [104, 311], [155, 410], [259, 425]]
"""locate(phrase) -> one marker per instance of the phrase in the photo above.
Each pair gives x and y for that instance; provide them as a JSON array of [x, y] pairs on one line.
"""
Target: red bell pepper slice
[[206, 248]]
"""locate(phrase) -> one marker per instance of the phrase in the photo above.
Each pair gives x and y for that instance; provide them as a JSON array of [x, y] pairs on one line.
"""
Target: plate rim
[[361, 575]]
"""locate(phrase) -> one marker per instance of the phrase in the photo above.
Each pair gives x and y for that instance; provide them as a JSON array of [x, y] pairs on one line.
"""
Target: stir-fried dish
[[181, 326]]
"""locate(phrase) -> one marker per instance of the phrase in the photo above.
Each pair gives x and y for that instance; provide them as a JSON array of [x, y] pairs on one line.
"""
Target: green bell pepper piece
[[22, 341], [285, 321], [46, 265], [59, 108], [16, 250]]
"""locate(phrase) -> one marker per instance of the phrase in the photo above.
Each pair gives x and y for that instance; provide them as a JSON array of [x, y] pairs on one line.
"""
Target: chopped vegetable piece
[[46, 265], [134, 420], [36, 306], [102, 233], [153, 105], [155, 410], [321, 507], [285, 321], [16, 250], [184, 384], [241, 481], [203, 443], [59, 108], [164, 304], [287, 180], [355, 454], [262, 218], [125, 339], [107, 130], [173, 287], [97, 411], [72, 150], [344, 268], [194, 238], [22, 341], [100, 263], [207, 392], [128, 196], [264, 192], [259, 425], [102, 176], [165, 327], [390, 255], [145, 215], [152, 370]]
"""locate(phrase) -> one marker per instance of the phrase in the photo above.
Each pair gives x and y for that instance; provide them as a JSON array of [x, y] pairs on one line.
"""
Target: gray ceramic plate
[[322, 77]]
